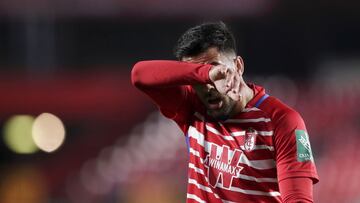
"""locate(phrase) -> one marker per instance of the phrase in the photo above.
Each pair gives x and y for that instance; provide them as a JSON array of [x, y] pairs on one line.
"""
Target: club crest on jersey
[[250, 139], [222, 165]]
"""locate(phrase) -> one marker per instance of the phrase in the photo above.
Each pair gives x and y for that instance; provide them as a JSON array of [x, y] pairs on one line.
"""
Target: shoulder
[[281, 114]]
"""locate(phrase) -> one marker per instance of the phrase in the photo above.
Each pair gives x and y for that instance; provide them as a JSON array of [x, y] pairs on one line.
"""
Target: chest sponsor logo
[[250, 139], [221, 168], [304, 152]]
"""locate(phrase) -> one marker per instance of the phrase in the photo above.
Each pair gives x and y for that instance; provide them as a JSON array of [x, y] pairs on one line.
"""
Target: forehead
[[211, 54]]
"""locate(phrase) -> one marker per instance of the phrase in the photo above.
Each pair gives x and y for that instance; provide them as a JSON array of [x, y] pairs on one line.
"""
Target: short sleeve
[[293, 150]]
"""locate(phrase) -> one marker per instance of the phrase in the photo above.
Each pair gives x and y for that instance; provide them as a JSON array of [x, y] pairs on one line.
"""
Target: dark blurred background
[[74, 130]]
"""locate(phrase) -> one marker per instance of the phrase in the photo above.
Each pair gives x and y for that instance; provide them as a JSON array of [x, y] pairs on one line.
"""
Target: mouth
[[215, 103]]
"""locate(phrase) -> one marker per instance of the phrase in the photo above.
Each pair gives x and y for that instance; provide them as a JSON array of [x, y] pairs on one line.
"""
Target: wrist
[[211, 74], [206, 69]]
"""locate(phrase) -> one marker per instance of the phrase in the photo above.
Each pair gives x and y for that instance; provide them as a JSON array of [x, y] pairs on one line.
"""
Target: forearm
[[162, 73], [296, 190], [165, 83]]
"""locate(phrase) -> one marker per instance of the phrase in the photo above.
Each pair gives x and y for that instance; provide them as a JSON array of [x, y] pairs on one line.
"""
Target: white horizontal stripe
[[265, 133], [260, 164], [238, 133], [225, 201], [250, 192], [200, 139], [256, 147], [213, 130], [194, 152], [250, 109], [194, 197], [196, 169], [259, 180], [242, 133], [250, 120], [198, 185], [202, 187]]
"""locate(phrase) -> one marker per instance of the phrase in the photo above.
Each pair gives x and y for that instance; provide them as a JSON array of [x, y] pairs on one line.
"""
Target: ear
[[239, 65]]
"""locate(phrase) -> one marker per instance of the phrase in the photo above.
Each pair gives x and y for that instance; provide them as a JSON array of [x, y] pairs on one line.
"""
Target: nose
[[209, 87], [211, 90]]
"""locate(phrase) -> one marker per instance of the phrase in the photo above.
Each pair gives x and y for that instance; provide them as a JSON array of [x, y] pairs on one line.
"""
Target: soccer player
[[244, 145]]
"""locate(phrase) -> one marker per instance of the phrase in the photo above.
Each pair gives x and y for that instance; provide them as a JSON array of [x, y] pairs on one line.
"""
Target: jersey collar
[[259, 96]]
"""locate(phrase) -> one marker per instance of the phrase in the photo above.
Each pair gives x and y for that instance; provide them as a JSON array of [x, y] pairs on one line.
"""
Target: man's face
[[219, 106]]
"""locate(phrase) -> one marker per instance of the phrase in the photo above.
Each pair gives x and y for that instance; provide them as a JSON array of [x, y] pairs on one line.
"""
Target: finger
[[221, 72], [216, 73], [228, 82], [237, 84], [227, 73], [235, 91], [238, 87], [230, 79]]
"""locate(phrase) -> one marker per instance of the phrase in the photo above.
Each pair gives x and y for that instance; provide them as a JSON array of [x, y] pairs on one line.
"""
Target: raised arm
[[166, 82], [164, 74]]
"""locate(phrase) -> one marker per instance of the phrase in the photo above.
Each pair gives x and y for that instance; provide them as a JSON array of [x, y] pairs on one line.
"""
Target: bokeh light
[[23, 184], [17, 134], [48, 132]]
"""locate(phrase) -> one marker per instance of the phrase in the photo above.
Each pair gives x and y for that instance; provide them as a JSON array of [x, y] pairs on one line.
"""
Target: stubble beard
[[225, 112]]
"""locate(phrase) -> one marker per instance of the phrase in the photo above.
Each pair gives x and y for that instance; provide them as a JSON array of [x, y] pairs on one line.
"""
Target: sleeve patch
[[304, 152]]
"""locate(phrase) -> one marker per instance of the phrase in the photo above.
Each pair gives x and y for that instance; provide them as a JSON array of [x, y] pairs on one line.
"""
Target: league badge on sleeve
[[250, 139], [303, 147]]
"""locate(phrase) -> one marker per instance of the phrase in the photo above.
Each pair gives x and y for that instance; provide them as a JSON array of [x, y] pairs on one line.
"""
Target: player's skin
[[228, 94]]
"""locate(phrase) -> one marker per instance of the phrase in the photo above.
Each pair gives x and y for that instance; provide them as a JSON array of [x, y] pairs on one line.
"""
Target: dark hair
[[201, 37]]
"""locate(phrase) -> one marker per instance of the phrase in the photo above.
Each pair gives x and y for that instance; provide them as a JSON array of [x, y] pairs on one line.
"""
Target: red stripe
[[259, 154], [259, 126], [267, 173], [242, 115], [251, 115], [206, 196]]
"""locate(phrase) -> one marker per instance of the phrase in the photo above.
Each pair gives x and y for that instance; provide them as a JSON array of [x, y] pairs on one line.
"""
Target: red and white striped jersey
[[243, 158]]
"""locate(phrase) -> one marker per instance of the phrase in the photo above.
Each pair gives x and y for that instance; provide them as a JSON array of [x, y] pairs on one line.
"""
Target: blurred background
[[74, 130]]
